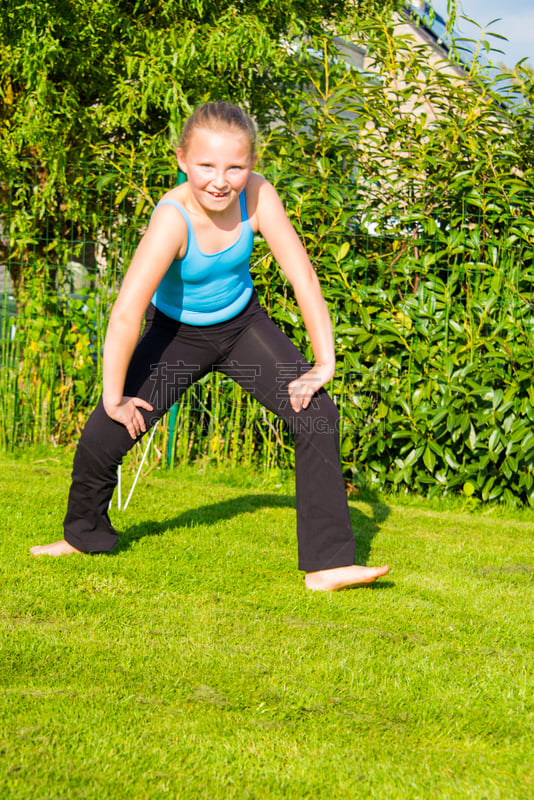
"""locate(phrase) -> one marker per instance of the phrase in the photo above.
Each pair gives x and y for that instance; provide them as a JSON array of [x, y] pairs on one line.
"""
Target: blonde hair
[[215, 116]]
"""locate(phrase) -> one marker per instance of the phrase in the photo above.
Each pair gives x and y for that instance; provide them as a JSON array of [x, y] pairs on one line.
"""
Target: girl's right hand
[[127, 413], [302, 389]]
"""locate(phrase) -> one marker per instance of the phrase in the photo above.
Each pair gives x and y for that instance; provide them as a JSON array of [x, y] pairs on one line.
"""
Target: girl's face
[[218, 165]]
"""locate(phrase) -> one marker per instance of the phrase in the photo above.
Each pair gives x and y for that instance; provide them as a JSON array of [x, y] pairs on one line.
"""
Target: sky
[[516, 22]]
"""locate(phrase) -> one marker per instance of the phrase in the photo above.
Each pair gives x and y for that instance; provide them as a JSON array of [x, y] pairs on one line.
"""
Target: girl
[[190, 275]]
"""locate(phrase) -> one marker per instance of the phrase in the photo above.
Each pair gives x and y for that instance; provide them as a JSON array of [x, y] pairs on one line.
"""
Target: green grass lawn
[[192, 663]]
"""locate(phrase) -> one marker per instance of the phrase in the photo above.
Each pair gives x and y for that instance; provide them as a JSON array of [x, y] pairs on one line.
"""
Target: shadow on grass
[[365, 526], [208, 514]]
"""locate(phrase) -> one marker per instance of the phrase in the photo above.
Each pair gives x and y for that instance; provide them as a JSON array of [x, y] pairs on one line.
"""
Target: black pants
[[169, 357]]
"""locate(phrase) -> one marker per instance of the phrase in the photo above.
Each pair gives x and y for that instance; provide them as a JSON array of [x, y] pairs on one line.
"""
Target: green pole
[[173, 413]]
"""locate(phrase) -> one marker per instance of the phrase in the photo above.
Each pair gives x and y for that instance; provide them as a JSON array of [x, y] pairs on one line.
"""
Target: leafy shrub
[[421, 231]]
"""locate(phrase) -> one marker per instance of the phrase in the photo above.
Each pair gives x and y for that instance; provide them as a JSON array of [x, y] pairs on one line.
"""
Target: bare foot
[[61, 548], [329, 580]]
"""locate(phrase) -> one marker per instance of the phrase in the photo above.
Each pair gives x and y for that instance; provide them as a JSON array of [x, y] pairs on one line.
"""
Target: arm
[[291, 255], [165, 237]]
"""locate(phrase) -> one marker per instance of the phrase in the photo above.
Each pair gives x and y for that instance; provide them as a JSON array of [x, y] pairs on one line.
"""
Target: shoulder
[[166, 210], [167, 228], [258, 187], [262, 199]]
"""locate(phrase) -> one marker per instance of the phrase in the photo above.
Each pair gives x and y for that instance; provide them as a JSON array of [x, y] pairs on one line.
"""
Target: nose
[[219, 180]]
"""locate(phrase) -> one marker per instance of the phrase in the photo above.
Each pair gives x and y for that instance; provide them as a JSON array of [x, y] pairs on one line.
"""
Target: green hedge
[[421, 231]]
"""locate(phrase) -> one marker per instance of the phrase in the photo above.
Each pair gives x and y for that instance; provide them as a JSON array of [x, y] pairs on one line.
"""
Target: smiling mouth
[[219, 194]]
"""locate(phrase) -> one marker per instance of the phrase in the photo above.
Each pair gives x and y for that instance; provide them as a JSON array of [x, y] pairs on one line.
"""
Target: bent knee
[[321, 416], [102, 437]]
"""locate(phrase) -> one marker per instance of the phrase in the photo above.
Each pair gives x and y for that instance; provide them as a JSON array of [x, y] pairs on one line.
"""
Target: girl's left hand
[[302, 389]]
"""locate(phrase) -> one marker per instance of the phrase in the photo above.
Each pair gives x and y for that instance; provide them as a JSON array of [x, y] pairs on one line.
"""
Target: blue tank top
[[202, 288]]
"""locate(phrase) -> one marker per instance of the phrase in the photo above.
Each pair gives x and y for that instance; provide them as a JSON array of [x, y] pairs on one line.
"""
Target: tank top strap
[[243, 206], [180, 208]]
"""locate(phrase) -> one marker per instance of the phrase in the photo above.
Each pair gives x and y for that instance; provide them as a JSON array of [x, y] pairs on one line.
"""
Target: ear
[[181, 160]]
